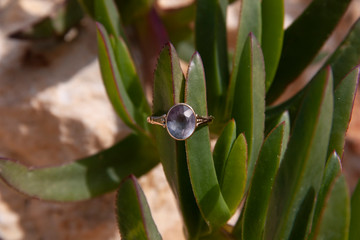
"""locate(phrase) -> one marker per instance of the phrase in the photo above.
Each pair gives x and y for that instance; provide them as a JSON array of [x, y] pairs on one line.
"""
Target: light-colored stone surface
[[54, 110]]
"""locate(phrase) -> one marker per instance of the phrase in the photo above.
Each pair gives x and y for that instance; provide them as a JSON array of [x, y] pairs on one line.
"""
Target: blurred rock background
[[54, 109]]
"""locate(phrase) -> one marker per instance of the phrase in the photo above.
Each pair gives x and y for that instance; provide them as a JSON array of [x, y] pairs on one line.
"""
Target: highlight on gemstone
[[181, 121]]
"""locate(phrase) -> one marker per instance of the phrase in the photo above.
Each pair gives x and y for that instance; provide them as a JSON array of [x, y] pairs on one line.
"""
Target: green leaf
[[354, 230], [303, 40], [344, 95], [129, 76], [169, 86], [199, 158], [347, 55], [249, 22], [133, 212], [107, 14], [301, 169], [272, 15], [284, 118], [274, 120], [57, 25], [210, 40], [85, 178], [233, 177], [223, 147], [303, 216], [333, 224], [249, 103], [342, 61], [169, 81], [256, 206], [273, 113], [332, 172], [115, 86]]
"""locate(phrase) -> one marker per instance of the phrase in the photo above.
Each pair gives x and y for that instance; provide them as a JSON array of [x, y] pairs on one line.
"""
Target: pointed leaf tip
[[301, 169], [114, 84], [233, 180], [344, 96], [249, 99], [133, 213]]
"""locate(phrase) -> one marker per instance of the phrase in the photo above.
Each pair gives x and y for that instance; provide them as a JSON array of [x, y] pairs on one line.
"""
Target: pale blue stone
[[181, 122]]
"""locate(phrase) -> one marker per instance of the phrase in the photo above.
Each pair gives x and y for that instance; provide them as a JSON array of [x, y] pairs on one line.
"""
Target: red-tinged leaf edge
[[339, 128], [148, 229], [121, 96]]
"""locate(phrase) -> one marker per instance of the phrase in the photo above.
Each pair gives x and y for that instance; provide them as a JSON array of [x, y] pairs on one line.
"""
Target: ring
[[180, 121]]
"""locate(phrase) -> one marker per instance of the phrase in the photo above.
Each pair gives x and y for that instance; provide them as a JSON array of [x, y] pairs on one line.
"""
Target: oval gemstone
[[181, 121]]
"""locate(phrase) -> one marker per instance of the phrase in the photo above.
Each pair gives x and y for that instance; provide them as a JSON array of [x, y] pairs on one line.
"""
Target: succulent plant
[[279, 166]]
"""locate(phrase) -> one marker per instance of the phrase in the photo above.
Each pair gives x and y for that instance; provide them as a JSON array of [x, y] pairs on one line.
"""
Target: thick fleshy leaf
[[347, 55], [270, 125], [168, 90], [285, 118], [115, 86], [273, 113], [272, 16], [249, 100], [169, 82], [334, 221], [300, 172], [233, 177], [129, 76], [201, 167], [342, 61], [344, 90], [344, 95], [210, 41], [84, 178], [249, 22], [64, 18], [303, 40], [332, 172], [257, 202], [223, 147], [107, 14], [133, 212], [354, 230]]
